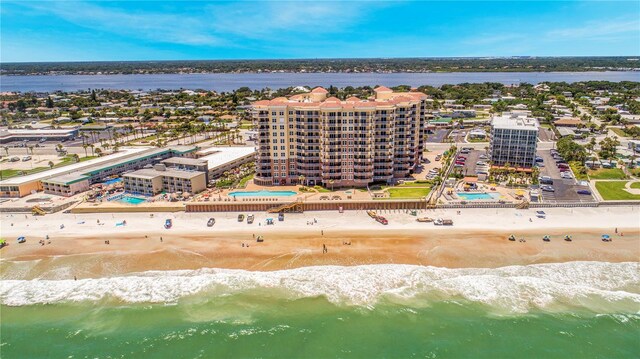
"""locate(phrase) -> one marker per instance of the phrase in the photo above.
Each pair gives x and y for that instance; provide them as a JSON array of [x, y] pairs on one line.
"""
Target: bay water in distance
[[566, 310], [256, 81]]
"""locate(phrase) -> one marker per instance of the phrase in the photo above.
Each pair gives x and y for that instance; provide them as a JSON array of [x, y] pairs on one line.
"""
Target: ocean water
[[255, 81], [569, 310]]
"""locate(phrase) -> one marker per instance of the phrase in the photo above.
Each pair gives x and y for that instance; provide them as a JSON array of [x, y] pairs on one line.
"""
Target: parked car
[[547, 188], [26, 158], [566, 175], [545, 180], [438, 157], [14, 159], [584, 191]]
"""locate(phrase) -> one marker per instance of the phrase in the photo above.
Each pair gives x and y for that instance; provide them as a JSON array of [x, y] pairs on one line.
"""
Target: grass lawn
[[420, 183], [618, 131], [246, 126], [245, 179], [67, 160], [607, 173], [322, 189], [411, 192], [635, 185], [576, 167], [614, 190]]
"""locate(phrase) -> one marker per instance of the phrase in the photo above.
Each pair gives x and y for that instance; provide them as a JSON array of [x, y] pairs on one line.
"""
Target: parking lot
[[565, 189], [438, 135], [470, 164], [546, 135]]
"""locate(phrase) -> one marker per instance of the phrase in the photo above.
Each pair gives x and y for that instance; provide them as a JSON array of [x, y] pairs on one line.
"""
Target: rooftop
[[218, 156], [515, 123], [169, 172], [185, 161]]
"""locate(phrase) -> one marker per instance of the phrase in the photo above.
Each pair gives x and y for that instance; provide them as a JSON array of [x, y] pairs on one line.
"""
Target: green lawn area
[[67, 160], [635, 185], [576, 167], [246, 126], [618, 131], [408, 192], [607, 173], [245, 179], [415, 184], [322, 189], [614, 190]]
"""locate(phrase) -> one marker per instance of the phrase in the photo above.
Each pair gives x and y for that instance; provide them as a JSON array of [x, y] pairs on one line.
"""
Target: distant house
[[567, 122]]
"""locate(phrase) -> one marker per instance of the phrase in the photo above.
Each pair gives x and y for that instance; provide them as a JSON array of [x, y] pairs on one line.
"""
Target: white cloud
[[147, 26], [595, 29]]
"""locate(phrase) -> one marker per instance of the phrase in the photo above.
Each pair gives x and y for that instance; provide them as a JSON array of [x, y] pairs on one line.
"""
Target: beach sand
[[477, 239]]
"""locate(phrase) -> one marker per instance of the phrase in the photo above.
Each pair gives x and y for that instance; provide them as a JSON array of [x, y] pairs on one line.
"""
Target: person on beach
[[322, 232], [160, 239], [616, 229]]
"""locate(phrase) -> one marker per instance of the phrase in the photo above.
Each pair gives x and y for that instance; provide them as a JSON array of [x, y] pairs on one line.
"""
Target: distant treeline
[[511, 64]]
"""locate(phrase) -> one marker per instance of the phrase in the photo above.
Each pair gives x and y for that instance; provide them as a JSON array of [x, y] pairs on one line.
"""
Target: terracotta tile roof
[[319, 90], [382, 89]]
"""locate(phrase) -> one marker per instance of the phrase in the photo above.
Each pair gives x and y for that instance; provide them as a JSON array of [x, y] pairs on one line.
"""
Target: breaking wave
[[596, 286]]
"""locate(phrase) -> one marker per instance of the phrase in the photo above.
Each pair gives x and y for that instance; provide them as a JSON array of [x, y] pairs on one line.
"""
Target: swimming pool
[[475, 196], [262, 193], [131, 200], [112, 181]]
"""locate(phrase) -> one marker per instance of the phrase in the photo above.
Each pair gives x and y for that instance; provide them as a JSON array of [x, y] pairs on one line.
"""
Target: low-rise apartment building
[[514, 141], [317, 139], [152, 181]]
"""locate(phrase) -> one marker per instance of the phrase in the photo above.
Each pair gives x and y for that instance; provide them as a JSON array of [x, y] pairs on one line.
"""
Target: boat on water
[[241, 218], [512, 238], [567, 238], [211, 222], [546, 238], [168, 223], [424, 219], [250, 218]]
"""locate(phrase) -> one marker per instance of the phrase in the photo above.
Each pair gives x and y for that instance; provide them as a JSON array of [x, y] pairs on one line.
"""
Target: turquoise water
[[131, 200], [474, 196], [262, 193], [569, 310], [112, 181]]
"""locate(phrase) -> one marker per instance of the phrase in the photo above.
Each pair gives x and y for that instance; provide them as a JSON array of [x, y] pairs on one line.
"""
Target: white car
[[566, 175]]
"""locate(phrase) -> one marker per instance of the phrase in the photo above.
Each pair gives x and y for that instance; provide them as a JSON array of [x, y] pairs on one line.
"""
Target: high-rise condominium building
[[311, 139], [514, 141]]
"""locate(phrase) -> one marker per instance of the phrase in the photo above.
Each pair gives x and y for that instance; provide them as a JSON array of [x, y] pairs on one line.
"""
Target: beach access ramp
[[296, 207]]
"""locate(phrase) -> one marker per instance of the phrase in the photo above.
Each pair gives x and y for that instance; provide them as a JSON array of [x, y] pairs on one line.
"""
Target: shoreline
[[478, 239]]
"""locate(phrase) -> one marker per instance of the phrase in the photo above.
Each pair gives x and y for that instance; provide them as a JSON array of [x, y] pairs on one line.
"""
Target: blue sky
[[145, 30]]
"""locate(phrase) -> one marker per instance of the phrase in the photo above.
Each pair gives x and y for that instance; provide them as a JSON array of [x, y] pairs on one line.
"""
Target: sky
[[62, 30]]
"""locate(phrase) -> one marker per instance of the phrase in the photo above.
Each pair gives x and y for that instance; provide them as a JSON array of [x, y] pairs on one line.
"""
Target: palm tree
[[301, 179], [31, 149], [92, 148], [51, 164], [6, 149], [85, 149], [331, 182], [98, 152], [75, 157]]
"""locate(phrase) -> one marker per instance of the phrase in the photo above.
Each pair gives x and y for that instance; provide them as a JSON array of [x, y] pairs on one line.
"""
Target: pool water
[[131, 200], [262, 193], [475, 196], [112, 181]]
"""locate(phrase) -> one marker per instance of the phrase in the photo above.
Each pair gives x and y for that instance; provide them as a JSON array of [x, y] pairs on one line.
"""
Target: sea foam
[[597, 286]]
